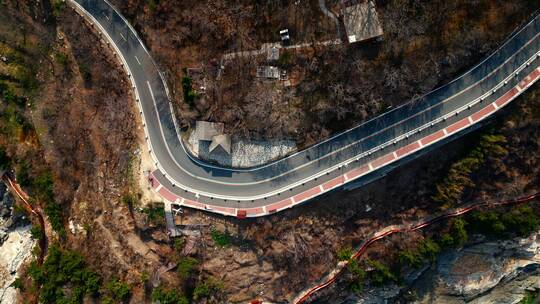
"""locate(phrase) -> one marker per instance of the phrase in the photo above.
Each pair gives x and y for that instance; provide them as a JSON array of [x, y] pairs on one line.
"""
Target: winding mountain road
[[360, 153]]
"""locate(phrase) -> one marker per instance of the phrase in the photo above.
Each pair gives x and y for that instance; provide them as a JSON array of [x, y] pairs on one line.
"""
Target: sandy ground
[[15, 251], [146, 165]]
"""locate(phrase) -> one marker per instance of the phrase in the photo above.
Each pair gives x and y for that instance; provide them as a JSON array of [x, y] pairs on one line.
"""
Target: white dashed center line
[[106, 16], [123, 37], [137, 60]]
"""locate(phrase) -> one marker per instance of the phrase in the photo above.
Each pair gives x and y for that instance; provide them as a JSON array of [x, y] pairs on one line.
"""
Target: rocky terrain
[[480, 273], [16, 245]]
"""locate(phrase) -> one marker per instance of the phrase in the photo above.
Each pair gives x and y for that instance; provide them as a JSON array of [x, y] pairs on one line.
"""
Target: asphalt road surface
[[384, 141]]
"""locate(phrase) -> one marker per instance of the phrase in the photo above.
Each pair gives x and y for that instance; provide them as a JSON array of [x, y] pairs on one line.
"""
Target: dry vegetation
[[80, 127], [425, 44]]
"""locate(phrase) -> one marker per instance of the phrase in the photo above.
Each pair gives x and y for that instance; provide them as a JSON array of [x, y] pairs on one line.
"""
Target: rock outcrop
[[16, 245], [484, 273]]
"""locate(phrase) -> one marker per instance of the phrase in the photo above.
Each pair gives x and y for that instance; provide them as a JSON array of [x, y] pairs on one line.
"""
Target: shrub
[[22, 175], [120, 291], [358, 276], [130, 200], [426, 251], [344, 253], [186, 266], [18, 284], [380, 274], [36, 232], [458, 178], [165, 296], [206, 288], [189, 94], [221, 239], [459, 233], [156, 215], [61, 270]]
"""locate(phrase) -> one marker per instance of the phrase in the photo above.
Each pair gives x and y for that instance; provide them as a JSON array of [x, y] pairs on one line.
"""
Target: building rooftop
[[361, 22], [206, 130], [223, 141], [268, 72]]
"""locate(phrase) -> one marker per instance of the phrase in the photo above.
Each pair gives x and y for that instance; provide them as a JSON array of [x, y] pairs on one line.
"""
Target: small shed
[[270, 72], [361, 22], [223, 141], [272, 53]]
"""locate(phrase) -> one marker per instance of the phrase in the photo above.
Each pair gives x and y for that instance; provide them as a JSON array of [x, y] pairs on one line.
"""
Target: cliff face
[[488, 272]]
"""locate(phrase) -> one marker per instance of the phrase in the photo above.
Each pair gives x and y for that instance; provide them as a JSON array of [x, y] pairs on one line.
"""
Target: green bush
[[165, 296], [63, 270], [186, 266], [221, 239], [119, 291], [206, 288], [130, 200], [344, 253], [426, 251], [18, 284], [37, 232], [459, 233], [156, 215], [458, 177], [22, 175], [380, 274], [189, 94], [358, 276], [521, 221]]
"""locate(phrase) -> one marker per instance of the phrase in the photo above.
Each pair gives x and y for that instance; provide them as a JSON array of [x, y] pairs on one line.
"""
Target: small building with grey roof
[[361, 22]]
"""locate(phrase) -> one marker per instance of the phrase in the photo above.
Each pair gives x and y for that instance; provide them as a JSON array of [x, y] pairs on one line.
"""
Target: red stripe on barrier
[[530, 78], [333, 183], [433, 137], [357, 172], [408, 149], [153, 181], [458, 125], [167, 194], [379, 162], [194, 204], [483, 113], [254, 211], [279, 205], [506, 97], [307, 194], [224, 210]]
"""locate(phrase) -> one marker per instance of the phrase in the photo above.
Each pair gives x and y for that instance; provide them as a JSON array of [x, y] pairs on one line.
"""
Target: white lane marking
[[106, 16], [137, 60], [159, 187], [370, 166], [420, 143], [123, 37], [470, 120], [495, 105], [445, 132], [321, 187], [395, 154]]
